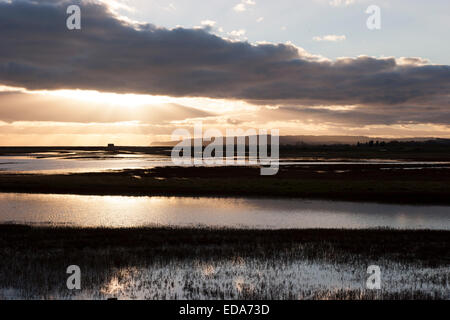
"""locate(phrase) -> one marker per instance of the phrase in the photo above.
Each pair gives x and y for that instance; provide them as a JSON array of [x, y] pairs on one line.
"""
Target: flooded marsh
[[167, 263]]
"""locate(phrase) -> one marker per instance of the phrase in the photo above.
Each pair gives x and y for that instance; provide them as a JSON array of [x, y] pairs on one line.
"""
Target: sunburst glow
[[128, 99]]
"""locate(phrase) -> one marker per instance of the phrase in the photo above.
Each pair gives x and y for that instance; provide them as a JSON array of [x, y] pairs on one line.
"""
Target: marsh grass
[[201, 263], [336, 182]]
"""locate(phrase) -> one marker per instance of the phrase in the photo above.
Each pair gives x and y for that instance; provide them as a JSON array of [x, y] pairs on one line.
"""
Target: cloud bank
[[117, 55]]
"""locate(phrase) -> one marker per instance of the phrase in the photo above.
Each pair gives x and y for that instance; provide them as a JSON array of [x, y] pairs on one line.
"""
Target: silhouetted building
[[111, 147]]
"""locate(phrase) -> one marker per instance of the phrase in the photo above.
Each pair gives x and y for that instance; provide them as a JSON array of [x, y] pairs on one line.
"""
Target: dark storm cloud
[[38, 52], [363, 115]]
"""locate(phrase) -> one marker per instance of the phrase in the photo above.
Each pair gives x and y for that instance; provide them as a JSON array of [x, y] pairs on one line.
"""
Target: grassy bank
[[166, 263], [421, 246], [340, 182], [413, 151]]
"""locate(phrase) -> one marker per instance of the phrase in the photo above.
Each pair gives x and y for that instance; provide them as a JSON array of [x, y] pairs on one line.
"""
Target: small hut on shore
[[111, 147]]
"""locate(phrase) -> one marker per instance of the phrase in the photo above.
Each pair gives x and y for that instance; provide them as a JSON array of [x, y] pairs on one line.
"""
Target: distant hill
[[322, 140]]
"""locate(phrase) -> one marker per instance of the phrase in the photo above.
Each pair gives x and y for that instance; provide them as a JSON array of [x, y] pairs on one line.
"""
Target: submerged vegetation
[[200, 263]]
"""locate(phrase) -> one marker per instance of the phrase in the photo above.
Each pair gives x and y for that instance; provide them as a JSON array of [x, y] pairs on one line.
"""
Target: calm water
[[31, 164], [119, 211], [100, 161]]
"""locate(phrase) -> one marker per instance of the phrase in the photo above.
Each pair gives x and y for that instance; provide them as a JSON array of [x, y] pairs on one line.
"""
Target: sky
[[137, 70]]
